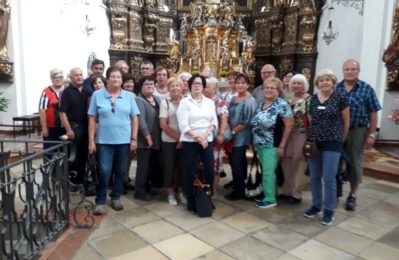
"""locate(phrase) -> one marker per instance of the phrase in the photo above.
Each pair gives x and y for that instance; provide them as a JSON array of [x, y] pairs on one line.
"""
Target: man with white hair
[[364, 106], [267, 71]]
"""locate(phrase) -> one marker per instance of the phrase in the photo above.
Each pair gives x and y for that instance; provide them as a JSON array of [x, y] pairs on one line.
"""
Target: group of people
[[181, 127]]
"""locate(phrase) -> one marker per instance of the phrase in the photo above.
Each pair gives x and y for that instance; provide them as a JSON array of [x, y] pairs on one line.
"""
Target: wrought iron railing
[[35, 198]]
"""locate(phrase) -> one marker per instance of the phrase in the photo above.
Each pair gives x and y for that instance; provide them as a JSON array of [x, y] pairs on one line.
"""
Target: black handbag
[[90, 180], [203, 203], [253, 184]]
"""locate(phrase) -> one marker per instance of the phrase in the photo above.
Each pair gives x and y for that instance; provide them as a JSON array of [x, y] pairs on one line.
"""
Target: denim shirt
[[242, 113]]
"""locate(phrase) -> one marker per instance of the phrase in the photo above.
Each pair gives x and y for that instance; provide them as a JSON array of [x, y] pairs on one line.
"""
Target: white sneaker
[[172, 200], [182, 198]]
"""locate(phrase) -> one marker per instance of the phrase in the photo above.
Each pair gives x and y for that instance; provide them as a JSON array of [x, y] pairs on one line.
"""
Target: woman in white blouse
[[197, 120]]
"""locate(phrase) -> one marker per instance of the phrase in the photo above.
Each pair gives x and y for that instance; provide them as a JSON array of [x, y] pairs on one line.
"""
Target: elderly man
[[266, 72], [97, 69], [146, 69], [123, 66], [364, 105], [73, 114]]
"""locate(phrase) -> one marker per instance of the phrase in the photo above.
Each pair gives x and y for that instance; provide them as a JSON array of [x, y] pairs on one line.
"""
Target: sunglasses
[[112, 107]]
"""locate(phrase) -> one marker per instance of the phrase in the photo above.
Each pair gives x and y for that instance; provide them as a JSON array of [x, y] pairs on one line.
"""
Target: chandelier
[[329, 34]]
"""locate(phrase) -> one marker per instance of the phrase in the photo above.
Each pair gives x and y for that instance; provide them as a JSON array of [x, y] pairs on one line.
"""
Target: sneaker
[[312, 212], [293, 200], [265, 204], [283, 197], [116, 205], [99, 210], [172, 200], [328, 218], [350, 203], [182, 198]]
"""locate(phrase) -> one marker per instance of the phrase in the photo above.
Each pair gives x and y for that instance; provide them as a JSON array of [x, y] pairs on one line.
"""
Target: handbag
[[90, 181], [202, 200], [309, 149], [253, 184]]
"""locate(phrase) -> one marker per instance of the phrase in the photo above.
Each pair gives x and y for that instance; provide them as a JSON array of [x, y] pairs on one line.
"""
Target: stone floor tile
[[148, 252], [304, 226], [296, 208], [240, 204], [388, 183], [187, 220], [372, 194], [393, 199], [344, 240], [135, 217], [383, 187], [164, 209], [287, 257], [383, 214], [364, 228], [249, 248], [217, 234], [85, 252], [380, 251], [183, 247], [157, 230], [118, 243], [314, 250], [108, 226], [272, 215], [215, 255], [362, 204], [222, 210], [245, 222], [280, 237], [391, 239]]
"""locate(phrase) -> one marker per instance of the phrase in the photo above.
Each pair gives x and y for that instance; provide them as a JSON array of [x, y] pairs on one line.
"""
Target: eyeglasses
[[58, 77], [270, 88], [112, 107]]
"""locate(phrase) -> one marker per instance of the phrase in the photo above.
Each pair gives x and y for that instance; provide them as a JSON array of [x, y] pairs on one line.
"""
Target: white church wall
[[364, 38], [48, 35]]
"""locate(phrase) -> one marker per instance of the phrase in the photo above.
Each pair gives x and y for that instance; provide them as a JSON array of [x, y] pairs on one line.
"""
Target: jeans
[[268, 159], [109, 154], [324, 166], [191, 152], [238, 163]]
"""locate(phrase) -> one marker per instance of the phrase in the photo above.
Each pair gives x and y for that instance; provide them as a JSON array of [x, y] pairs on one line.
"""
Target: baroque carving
[[6, 67], [277, 26], [308, 23], [149, 26]]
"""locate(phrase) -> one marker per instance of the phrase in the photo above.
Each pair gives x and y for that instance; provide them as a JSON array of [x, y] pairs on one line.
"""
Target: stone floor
[[239, 230]]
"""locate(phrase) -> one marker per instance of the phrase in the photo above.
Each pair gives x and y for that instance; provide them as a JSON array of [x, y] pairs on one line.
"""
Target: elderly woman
[[223, 128], [161, 76], [329, 127], [271, 127], [128, 82], [242, 108], [116, 112], [197, 121], [49, 109], [171, 146], [149, 138], [290, 163], [184, 77]]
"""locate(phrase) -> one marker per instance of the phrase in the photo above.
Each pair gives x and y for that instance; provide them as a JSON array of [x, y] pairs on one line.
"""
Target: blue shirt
[[114, 121], [362, 102], [242, 113], [267, 125]]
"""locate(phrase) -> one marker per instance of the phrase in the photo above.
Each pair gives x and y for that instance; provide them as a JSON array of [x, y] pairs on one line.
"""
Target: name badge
[[321, 107]]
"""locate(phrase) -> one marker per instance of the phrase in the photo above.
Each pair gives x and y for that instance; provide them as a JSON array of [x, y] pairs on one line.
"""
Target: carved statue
[[174, 50], [277, 33], [225, 51], [196, 13], [150, 24], [183, 24], [211, 49], [308, 23], [5, 11]]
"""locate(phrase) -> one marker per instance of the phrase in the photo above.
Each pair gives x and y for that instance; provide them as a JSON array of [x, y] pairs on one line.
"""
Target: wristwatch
[[233, 132], [372, 135], [133, 139]]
